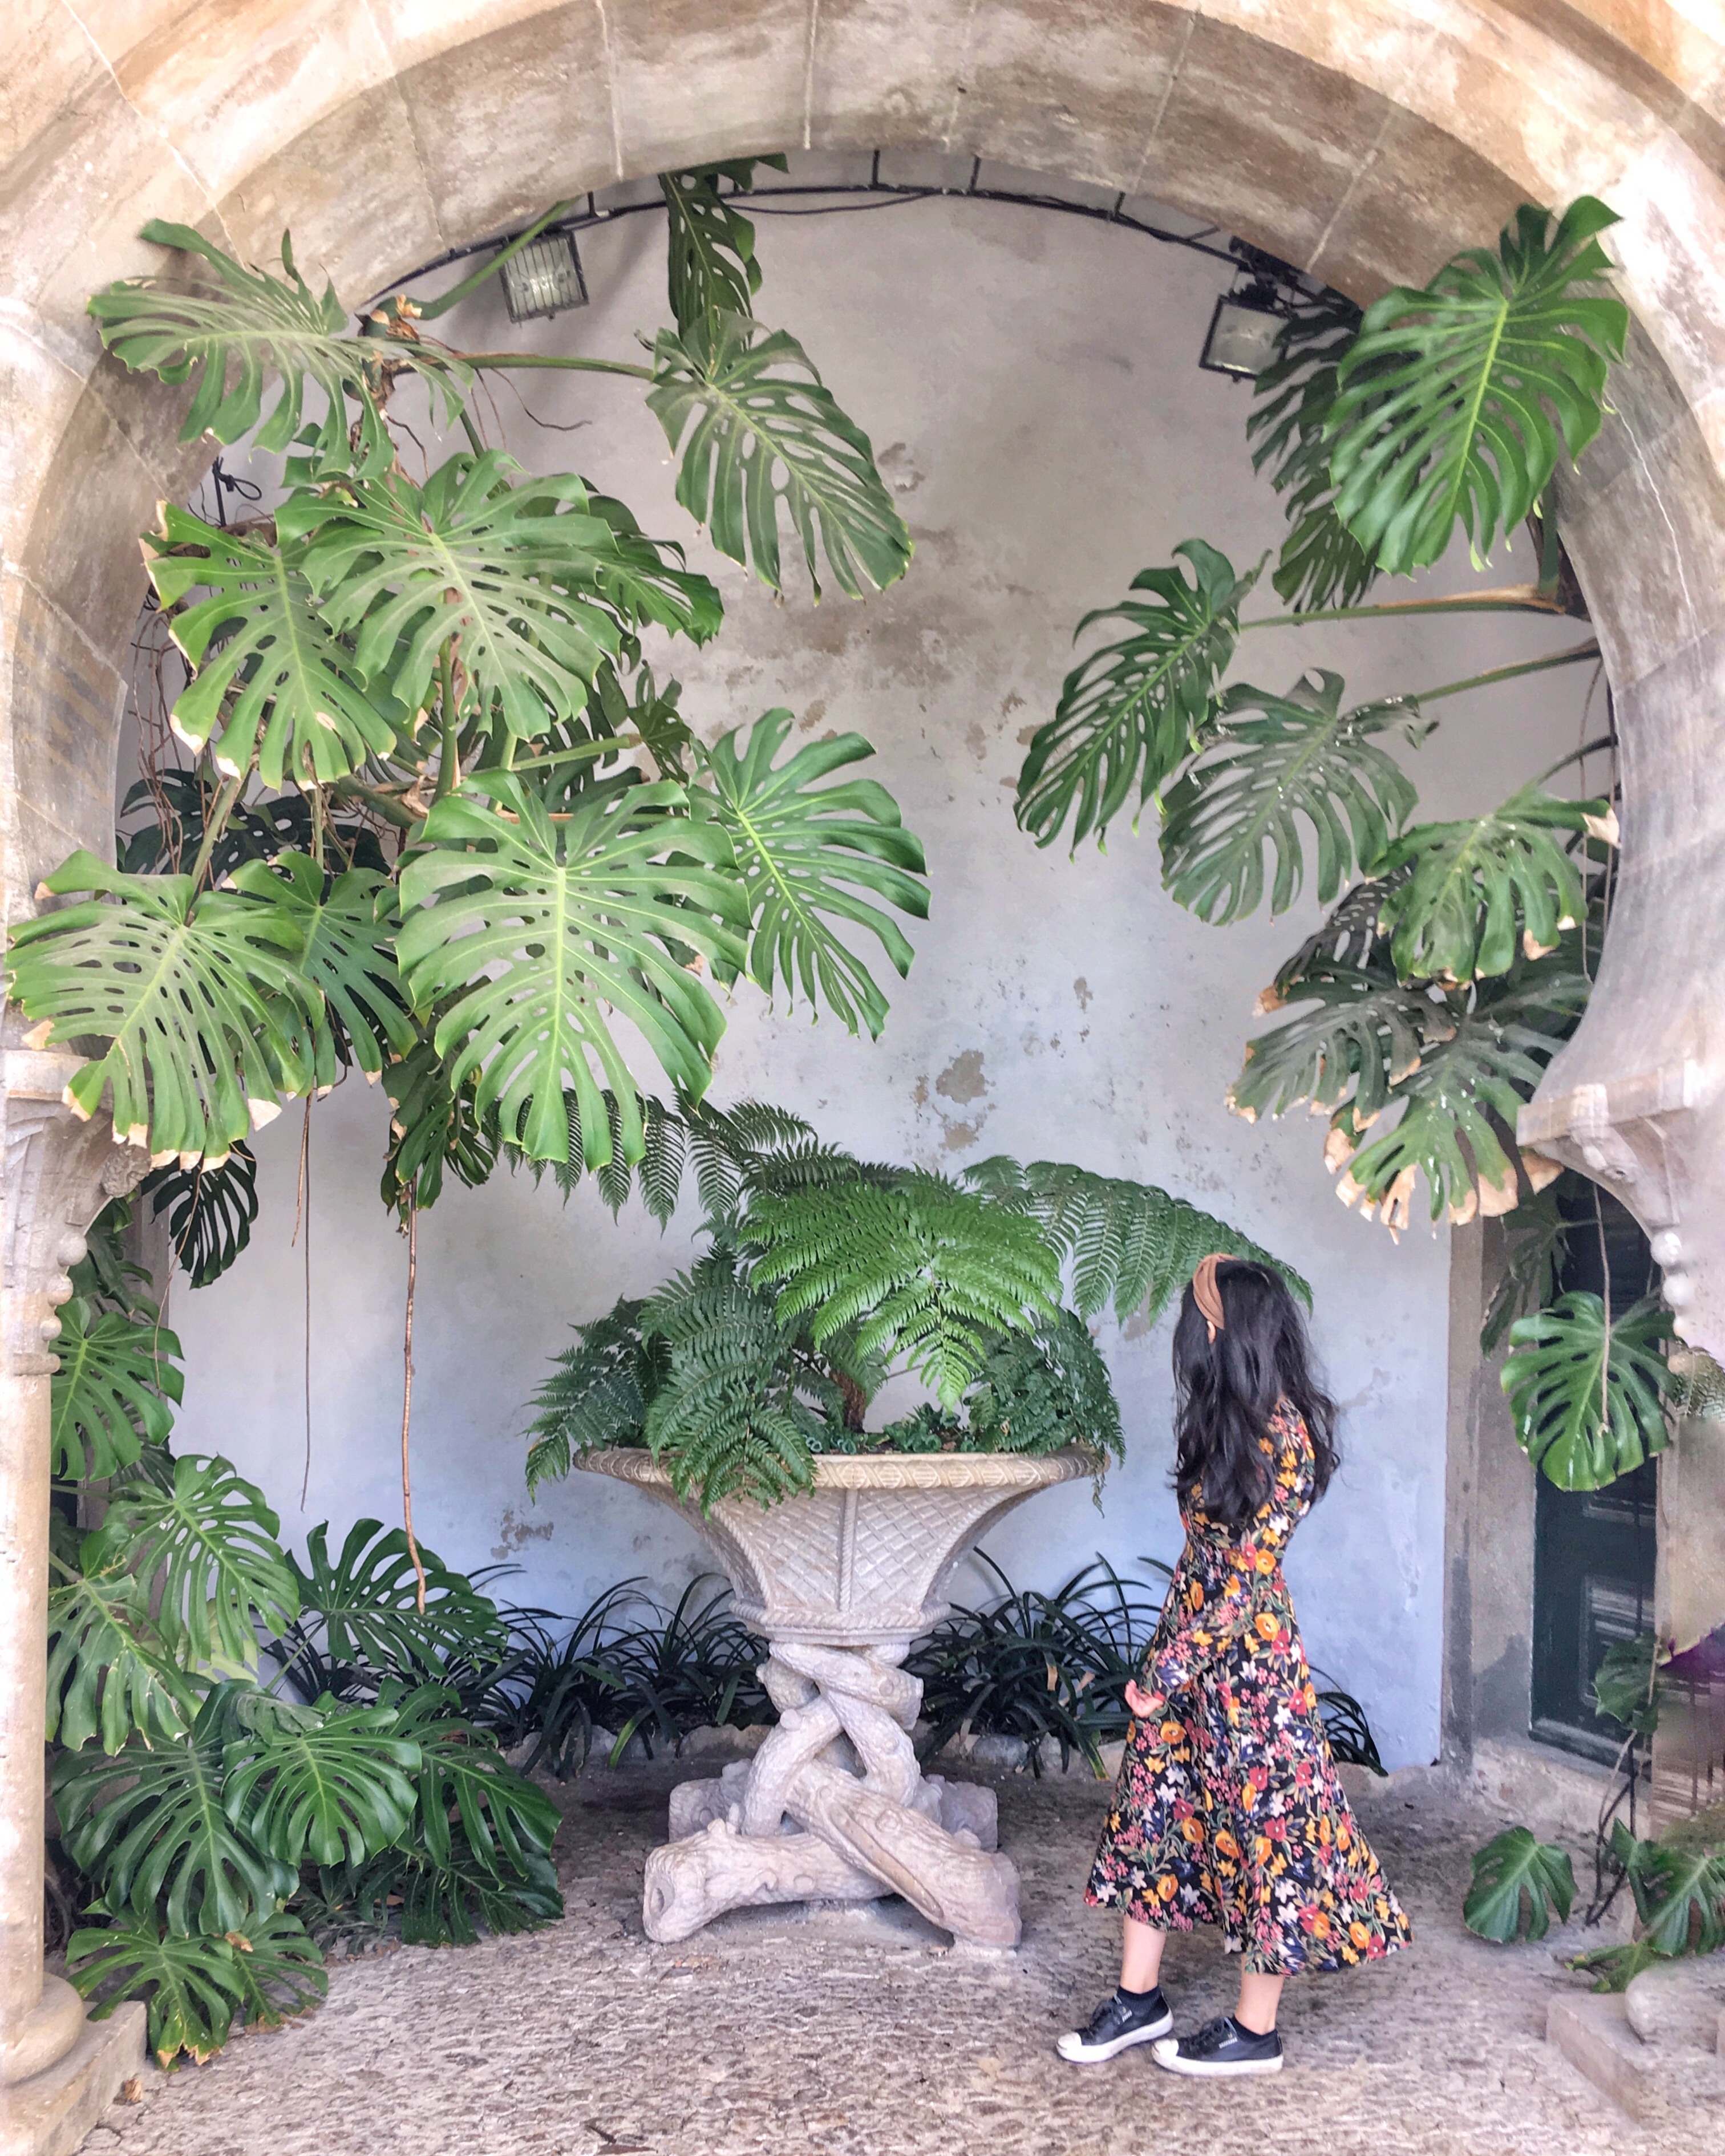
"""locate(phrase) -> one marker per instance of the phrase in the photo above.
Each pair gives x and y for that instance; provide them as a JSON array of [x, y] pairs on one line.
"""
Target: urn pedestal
[[834, 1806]]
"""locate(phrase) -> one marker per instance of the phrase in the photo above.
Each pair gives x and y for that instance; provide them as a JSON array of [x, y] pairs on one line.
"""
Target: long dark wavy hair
[[1225, 1391]]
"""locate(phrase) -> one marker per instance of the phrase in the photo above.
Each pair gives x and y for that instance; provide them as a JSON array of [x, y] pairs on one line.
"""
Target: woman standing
[[1229, 1811]]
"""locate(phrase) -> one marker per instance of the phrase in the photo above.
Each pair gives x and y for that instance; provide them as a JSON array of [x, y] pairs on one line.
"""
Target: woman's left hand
[[1143, 1704]]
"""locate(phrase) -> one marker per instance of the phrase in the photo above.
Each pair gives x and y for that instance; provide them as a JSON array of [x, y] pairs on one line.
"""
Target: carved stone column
[[57, 2072]]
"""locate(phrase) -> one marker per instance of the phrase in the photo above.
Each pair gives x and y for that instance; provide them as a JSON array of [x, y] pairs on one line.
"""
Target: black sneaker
[[1222, 2046], [1120, 2021]]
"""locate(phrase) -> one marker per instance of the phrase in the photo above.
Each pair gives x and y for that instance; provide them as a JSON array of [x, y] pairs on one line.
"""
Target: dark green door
[[1593, 1550]]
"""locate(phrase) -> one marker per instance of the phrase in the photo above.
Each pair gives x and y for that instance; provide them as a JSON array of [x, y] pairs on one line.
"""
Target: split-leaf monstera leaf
[[236, 329], [758, 430], [807, 854], [1268, 762], [537, 932], [1455, 402], [526, 577], [1587, 1394], [1481, 890], [200, 999], [1132, 710]]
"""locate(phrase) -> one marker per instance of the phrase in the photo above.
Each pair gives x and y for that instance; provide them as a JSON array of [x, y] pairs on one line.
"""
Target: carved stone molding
[[1656, 1142], [61, 1171]]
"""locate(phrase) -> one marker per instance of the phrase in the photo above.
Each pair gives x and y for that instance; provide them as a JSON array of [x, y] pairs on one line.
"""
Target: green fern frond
[[1128, 1242], [598, 1398], [1041, 1391], [920, 1268]]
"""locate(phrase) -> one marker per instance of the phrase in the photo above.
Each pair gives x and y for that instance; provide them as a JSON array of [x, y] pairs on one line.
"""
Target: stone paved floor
[[864, 2034]]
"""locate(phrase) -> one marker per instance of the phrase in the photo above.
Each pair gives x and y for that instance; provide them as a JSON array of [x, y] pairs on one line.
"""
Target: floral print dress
[[1227, 1810]]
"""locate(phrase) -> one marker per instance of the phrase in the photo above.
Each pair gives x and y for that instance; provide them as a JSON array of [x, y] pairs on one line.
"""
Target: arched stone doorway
[[1365, 143]]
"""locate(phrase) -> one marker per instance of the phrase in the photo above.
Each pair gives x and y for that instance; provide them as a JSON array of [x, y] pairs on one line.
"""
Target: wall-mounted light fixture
[[1248, 319], [544, 279]]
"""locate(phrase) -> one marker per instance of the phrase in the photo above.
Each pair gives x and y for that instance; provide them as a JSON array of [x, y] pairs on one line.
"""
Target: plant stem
[[227, 793], [407, 1398], [386, 804], [498, 360], [475, 440], [449, 770], [1576, 755], [1571, 658], [1509, 598], [582, 752], [428, 311]]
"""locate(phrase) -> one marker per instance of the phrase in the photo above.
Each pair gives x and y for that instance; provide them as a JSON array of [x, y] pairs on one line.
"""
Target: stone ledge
[[50, 2114], [1593, 2032]]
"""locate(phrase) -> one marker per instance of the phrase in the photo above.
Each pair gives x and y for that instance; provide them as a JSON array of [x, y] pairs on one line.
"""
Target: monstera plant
[[1456, 957], [436, 819], [824, 1275], [441, 821]]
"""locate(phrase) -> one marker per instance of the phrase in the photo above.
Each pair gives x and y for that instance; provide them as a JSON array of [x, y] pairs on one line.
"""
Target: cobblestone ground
[[867, 2035]]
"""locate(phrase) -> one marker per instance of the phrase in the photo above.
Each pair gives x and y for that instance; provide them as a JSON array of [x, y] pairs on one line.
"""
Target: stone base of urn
[[834, 1807]]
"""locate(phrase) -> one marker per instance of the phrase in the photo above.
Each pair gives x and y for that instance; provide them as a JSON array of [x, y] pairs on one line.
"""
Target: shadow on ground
[[866, 2034]]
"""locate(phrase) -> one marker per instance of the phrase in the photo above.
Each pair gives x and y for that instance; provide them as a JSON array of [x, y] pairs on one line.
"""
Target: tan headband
[[1206, 1294]]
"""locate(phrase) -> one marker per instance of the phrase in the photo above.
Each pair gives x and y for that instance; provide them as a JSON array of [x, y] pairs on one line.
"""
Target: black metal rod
[[875, 186]]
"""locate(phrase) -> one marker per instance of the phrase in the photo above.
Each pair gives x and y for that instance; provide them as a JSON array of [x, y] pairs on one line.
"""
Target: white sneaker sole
[[1072, 2048], [1167, 2056]]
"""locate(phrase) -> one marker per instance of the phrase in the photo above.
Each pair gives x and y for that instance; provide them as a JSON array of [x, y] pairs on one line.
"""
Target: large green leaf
[[1041, 1391], [196, 999], [1321, 564], [328, 1787], [464, 1780], [1355, 1028], [1628, 1688], [1456, 401], [1266, 763], [150, 1827], [920, 1268], [807, 853], [1462, 1101], [1129, 1243], [210, 1211], [360, 1611], [1514, 1864], [346, 954], [1680, 1894], [757, 430], [110, 1393], [1588, 1397], [196, 1987], [526, 580], [208, 1546], [234, 330], [539, 930], [711, 246], [1131, 711], [109, 1674], [440, 1900], [271, 680], [1483, 889]]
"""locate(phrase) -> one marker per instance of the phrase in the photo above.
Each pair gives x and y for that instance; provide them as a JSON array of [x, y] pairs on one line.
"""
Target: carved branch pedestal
[[833, 1806], [58, 2073]]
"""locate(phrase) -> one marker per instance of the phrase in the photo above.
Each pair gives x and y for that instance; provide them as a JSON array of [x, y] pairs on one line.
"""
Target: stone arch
[[1364, 140]]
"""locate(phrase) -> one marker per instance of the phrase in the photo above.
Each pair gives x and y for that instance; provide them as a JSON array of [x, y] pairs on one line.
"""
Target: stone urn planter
[[834, 1806]]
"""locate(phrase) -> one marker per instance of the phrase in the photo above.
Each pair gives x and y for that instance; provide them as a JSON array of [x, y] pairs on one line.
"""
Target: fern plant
[[824, 1275]]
